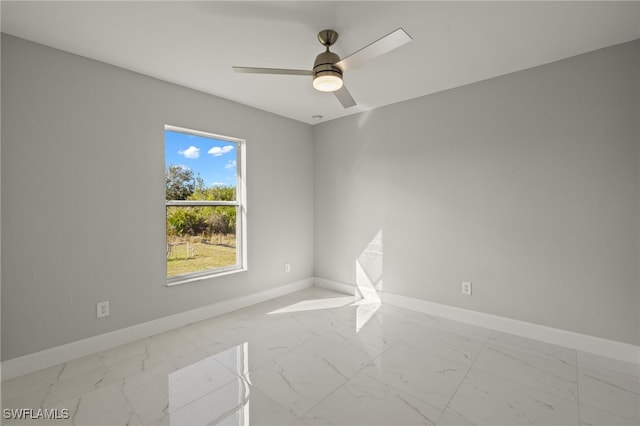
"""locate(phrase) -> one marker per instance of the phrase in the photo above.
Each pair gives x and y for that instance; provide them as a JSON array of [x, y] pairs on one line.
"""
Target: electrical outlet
[[102, 309], [287, 267], [466, 288]]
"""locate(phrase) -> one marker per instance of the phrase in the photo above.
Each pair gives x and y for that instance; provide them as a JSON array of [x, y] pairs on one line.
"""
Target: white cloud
[[192, 152], [217, 151], [231, 164]]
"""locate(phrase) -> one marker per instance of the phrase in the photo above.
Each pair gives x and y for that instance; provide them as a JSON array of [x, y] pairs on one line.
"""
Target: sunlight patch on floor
[[315, 304]]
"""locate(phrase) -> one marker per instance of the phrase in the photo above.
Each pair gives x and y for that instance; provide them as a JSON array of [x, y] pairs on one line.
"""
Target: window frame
[[241, 214]]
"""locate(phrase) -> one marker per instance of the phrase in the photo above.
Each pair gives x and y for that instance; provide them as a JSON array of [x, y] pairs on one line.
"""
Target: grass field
[[201, 255]]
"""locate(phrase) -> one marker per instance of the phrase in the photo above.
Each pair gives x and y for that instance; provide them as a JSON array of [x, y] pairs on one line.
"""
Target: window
[[205, 208]]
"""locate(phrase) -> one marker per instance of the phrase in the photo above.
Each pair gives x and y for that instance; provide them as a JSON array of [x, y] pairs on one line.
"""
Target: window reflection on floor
[[314, 304], [196, 398]]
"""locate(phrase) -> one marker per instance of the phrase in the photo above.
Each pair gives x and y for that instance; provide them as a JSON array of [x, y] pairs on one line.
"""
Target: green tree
[[204, 221], [179, 182], [214, 193]]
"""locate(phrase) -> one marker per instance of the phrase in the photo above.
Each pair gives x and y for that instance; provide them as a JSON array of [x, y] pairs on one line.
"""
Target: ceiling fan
[[328, 68]]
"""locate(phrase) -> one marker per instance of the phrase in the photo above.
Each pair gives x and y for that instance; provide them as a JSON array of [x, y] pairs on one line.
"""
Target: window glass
[[203, 209]]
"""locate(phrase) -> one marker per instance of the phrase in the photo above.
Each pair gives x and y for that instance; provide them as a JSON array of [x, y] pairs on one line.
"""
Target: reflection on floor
[[319, 357]]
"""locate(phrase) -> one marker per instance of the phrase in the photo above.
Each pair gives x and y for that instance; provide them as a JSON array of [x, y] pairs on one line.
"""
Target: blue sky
[[214, 159]]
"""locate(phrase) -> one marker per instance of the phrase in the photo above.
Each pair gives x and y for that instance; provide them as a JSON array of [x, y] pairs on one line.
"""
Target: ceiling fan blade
[[345, 97], [377, 48], [252, 70]]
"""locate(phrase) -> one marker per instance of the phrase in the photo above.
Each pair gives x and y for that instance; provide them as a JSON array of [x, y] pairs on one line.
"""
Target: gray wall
[[526, 185], [83, 196], [0, 217]]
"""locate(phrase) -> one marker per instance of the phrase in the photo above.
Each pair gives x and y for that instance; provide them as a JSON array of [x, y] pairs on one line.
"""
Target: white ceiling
[[194, 44]]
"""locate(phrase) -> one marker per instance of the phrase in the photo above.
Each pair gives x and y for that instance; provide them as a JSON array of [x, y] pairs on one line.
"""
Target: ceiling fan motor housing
[[327, 77], [325, 63]]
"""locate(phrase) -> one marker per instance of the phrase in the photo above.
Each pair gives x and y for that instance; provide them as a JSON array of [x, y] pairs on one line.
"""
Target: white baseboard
[[349, 289], [582, 342], [49, 357]]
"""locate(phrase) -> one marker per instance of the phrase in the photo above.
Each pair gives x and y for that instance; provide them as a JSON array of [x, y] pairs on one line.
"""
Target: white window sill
[[178, 280]]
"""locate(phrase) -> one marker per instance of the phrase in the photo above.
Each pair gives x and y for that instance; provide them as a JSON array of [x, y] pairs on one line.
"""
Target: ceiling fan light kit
[[327, 81], [326, 76], [328, 69]]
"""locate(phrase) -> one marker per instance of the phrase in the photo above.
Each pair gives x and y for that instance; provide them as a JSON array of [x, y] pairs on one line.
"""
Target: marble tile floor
[[317, 357]]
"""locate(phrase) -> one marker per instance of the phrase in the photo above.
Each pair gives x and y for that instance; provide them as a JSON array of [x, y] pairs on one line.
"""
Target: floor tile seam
[[50, 387], [224, 345], [131, 407], [167, 412], [145, 368], [348, 379], [357, 369], [103, 353], [201, 397], [462, 334], [400, 391], [391, 345], [304, 328], [264, 325], [605, 362], [329, 331], [603, 382], [578, 392], [439, 356], [33, 390], [120, 384], [43, 389], [462, 381], [616, 374], [277, 357], [50, 383], [335, 321], [288, 409], [319, 401], [529, 385], [612, 412], [229, 369], [114, 378], [538, 369], [192, 324], [406, 333], [247, 378], [459, 333], [82, 396], [536, 353], [390, 386], [252, 369], [135, 411], [104, 364], [158, 364], [369, 362], [186, 336], [551, 345], [443, 326]]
